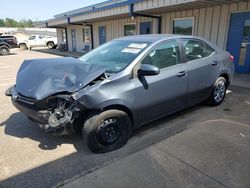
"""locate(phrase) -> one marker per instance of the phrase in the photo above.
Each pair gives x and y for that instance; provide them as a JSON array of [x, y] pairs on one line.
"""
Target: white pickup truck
[[38, 41]]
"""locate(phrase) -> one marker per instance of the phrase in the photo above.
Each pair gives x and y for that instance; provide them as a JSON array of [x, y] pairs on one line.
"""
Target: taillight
[[231, 58]]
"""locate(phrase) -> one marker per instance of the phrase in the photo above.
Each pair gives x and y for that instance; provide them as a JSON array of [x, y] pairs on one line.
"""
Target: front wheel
[[218, 93], [107, 131]]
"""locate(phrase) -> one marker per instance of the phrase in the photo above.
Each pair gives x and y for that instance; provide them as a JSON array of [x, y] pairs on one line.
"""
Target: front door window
[[165, 55]]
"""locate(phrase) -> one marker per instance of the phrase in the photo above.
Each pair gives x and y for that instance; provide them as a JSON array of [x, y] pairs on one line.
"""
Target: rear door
[[203, 67], [165, 93]]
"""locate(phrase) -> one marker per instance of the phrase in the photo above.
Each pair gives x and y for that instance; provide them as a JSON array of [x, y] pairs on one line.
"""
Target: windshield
[[115, 55]]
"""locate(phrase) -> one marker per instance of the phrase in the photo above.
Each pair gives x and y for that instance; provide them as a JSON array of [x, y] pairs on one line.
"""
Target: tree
[[10, 23], [26, 23], [1, 22]]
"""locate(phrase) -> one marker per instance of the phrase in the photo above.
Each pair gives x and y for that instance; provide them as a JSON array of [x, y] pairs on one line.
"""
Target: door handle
[[182, 74], [215, 63]]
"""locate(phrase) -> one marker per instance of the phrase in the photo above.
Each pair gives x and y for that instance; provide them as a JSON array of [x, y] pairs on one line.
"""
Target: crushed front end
[[56, 114]]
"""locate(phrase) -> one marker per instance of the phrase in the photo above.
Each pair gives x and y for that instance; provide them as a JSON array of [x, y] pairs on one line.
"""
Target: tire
[[218, 93], [107, 131], [4, 50], [23, 46], [55, 46], [50, 45]]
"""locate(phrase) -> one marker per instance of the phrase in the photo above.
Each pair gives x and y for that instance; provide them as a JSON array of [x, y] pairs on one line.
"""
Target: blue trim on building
[[116, 4], [128, 2], [80, 9]]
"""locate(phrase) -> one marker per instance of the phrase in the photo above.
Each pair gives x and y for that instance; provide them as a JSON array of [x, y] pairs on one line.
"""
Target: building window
[[129, 29], [183, 26], [86, 35]]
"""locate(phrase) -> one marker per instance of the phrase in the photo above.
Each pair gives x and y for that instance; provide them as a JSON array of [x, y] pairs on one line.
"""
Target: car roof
[[153, 37]]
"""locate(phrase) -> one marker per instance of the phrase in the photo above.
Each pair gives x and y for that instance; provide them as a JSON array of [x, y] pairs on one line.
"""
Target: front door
[[239, 41], [145, 28], [73, 37], [102, 35], [165, 93]]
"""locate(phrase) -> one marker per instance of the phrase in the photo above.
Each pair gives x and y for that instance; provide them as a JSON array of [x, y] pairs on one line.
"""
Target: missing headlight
[[61, 116]]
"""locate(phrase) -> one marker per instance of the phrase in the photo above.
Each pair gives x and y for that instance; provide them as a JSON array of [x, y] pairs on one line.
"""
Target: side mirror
[[148, 70]]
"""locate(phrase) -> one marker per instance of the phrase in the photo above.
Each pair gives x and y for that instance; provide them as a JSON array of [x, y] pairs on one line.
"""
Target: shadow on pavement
[[83, 161], [18, 125], [11, 53]]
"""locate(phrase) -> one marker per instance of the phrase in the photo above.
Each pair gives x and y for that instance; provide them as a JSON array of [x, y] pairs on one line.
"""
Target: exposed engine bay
[[61, 115], [63, 112]]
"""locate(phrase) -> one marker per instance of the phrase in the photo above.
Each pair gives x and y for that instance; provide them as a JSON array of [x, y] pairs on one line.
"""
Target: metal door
[[73, 37], [145, 28], [102, 35], [239, 41]]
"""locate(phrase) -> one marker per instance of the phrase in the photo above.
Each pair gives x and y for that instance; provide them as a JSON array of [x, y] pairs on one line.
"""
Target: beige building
[[224, 22]]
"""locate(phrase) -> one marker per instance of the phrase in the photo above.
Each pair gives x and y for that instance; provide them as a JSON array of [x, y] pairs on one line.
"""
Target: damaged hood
[[41, 78]]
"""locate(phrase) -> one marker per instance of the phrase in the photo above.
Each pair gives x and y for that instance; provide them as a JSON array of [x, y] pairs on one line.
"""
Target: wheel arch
[[122, 108], [50, 41], [22, 43], [226, 76], [5, 44]]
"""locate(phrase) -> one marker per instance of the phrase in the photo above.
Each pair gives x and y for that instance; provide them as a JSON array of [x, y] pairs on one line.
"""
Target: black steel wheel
[[107, 131]]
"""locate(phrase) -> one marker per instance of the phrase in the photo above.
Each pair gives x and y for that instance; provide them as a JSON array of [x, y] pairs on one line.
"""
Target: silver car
[[121, 85]]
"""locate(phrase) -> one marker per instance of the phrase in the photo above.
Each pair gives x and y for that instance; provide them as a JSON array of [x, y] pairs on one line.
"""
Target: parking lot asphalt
[[199, 147]]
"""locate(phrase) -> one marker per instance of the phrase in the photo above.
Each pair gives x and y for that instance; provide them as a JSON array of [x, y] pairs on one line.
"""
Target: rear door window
[[196, 49]]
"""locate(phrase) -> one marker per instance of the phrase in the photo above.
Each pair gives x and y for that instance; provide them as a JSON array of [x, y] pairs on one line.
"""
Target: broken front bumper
[[57, 120]]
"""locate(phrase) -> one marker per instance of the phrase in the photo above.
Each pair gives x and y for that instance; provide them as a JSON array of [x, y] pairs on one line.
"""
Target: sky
[[40, 10]]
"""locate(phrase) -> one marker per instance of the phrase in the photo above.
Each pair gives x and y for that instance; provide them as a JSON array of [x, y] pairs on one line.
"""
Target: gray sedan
[[121, 85]]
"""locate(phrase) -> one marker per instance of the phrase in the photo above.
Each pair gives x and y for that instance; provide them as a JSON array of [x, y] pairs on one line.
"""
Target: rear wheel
[[4, 50], [107, 131], [23, 46], [50, 45], [218, 93]]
